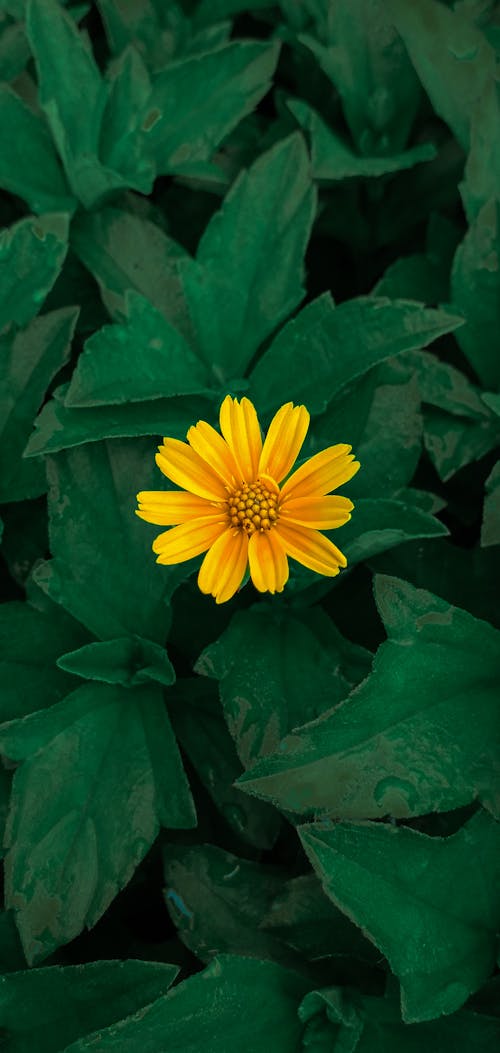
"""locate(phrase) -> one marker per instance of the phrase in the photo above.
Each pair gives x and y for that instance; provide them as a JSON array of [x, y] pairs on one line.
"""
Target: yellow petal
[[322, 473], [284, 439], [166, 508], [213, 449], [224, 566], [323, 513], [311, 548], [268, 562], [240, 427], [188, 540], [187, 469]]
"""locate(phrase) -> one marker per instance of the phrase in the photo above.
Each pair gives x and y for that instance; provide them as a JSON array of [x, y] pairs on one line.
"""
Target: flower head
[[231, 505]]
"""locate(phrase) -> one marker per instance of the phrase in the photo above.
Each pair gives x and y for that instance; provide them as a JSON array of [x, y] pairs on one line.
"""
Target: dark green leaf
[[128, 661], [121, 137], [29, 165], [276, 670], [251, 269], [406, 741], [235, 1003], [30, 359], [490, 530], [333, 159], [401, 887], [31, 256], [476, 293], [102, 773], [145, 359], [453, 443], [63, 1003], [379, 524], [331, 346]]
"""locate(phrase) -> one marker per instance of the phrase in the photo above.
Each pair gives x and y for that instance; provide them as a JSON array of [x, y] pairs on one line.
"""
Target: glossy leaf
[[405, 742], [128, 661], [401, 887], [101, 773]]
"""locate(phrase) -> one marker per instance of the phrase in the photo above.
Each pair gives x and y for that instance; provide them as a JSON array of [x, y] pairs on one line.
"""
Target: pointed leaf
[[128, 661], [29, 165], [31, 256], [476, 293]]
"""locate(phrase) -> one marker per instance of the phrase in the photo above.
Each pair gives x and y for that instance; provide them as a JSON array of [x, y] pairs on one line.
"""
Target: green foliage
[[286, 806]]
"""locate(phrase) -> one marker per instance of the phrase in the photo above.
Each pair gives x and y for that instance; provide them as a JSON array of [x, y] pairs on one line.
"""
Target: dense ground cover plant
[[267, 823]]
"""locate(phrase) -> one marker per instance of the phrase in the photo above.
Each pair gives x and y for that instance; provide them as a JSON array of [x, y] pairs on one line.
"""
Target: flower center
[[254, 507]]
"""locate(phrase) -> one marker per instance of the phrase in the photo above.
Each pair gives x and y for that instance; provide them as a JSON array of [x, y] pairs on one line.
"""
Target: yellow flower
[[231, 505]]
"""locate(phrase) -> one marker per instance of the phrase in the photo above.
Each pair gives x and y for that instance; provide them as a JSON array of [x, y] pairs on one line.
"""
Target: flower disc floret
[[254, 506]]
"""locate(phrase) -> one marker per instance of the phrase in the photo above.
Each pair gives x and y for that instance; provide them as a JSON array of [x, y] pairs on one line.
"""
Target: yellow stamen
[[253, 507]]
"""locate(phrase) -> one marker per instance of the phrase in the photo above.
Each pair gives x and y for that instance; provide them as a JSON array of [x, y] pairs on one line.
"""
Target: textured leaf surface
[[31, 255], [67, 1002], [102, 773], [400, 886], [29, 165], [234, 1000], [476, 292], [406, 741]]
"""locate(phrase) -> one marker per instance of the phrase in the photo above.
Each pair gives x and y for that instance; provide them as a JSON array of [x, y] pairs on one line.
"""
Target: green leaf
[[217, 900], [92, 497], [276, 670], [102, 773], [446, 388], [65, 1003], [59, 427], [476, 293], [121, 137], [202, 732], [124, 251], [145, 359], [451, 56], [128, 661], [30, 644], [332, 159], [234, 1003], [302, 916], [30, 359], [379, 524], [31, 256], [367, 63], [346, 1020], [406, 741], [331, 346], [401, 887], [480, 182], [490, 530], [196, 101], [29, 165], [452, 443], [251, 269]]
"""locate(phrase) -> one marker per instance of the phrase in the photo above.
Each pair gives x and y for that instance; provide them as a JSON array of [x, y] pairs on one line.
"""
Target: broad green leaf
[[30, 644], [102, 773], [128, 661], [367, 62], [29, 358], [446, 388], [333, 159], [59, 427], [482, 168], [490, 530], [217, 900], [277, 669], [127, 23], [103, 571], [424, 276], [124, 251], [142, 360], [251, 258], [452, 57], [121, 135], [453, 443], [200, 728], [331, 346], [196, 101], [235, 1003], [379, 524], [29, 165], [405, 742], [31, 256], [476, 294], [401, 887], [345, 1020], [303, 917], [63, 1003]]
